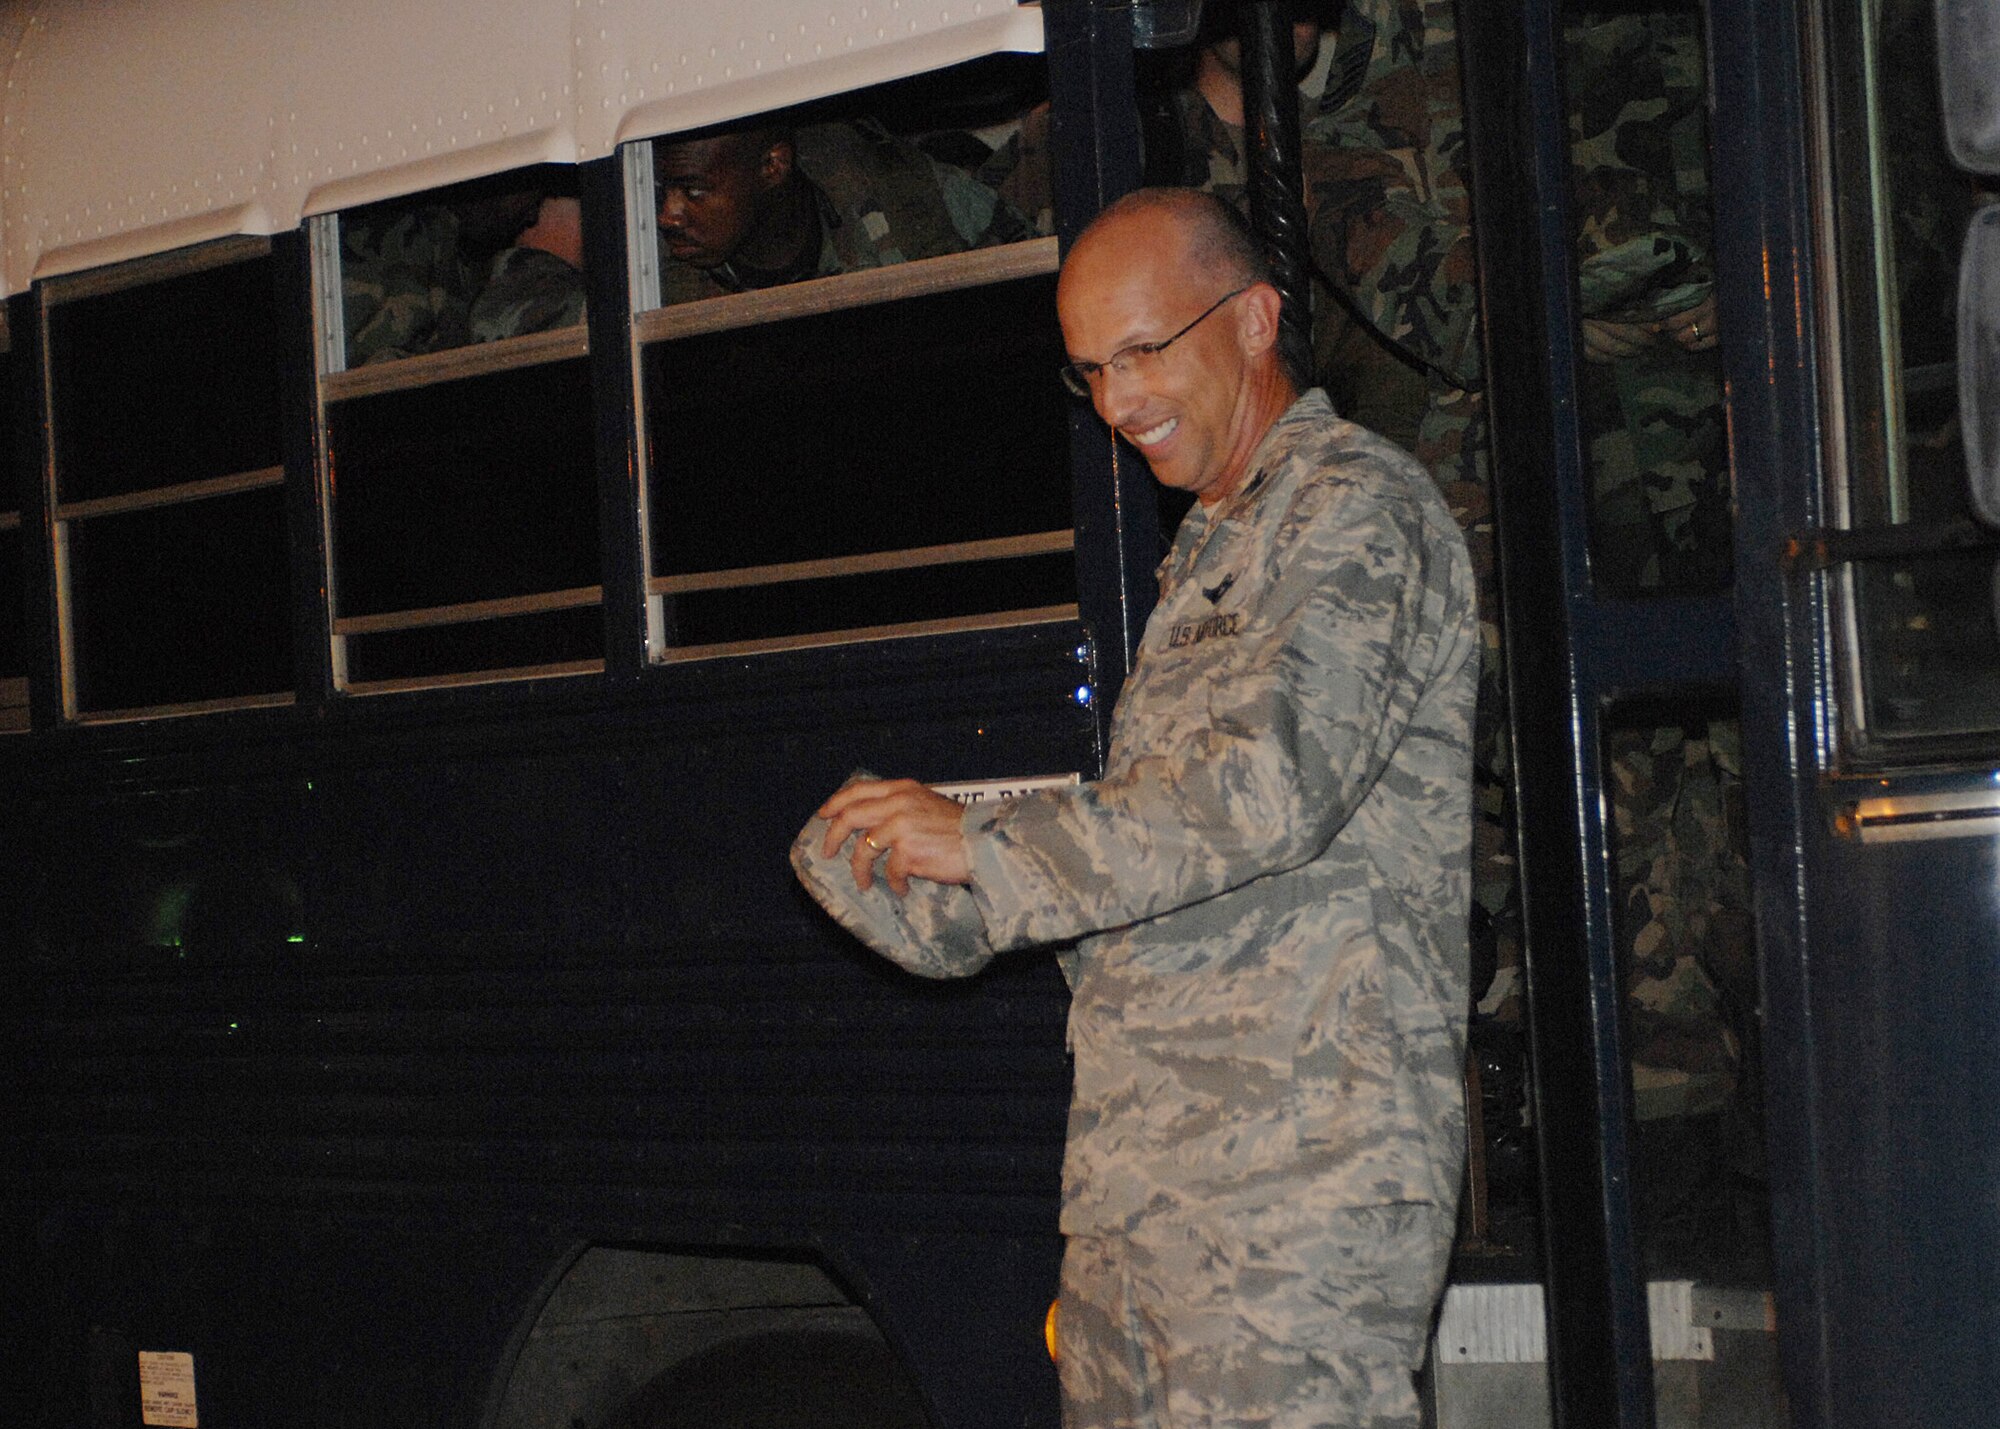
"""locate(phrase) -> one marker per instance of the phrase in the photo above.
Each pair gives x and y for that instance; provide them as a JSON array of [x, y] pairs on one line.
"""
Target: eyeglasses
[[1077, 376]]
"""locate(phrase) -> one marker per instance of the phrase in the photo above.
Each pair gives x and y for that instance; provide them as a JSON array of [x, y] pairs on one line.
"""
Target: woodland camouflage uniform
[[881, 200], [404, 287], [1639, 157], [407, 288], [1639, 174], [1392, 226], [529, 290], [1387, 170], [1660, 496]]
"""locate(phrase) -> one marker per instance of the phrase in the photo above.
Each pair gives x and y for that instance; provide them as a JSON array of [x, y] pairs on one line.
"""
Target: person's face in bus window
[[715, 193]]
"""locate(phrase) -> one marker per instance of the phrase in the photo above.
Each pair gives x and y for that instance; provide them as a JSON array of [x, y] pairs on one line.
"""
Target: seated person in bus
[[536, 284], [1268, 886], [470, 266], [773, 204]]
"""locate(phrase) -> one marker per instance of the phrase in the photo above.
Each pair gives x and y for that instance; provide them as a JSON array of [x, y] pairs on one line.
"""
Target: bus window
[[1650, 386], [785, 198], [1921, 653], [172, 586], [852, 420], [461, 478]]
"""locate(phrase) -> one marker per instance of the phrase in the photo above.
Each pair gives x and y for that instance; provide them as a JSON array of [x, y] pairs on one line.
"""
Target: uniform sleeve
[[1298, 726], [981, 217], [934, 932], [530, 291]]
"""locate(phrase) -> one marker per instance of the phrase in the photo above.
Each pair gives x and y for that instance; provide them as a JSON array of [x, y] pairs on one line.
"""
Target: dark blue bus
[[405, 705]]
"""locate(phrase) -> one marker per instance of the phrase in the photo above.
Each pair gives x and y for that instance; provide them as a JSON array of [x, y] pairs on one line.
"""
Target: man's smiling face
[[1188, 410]]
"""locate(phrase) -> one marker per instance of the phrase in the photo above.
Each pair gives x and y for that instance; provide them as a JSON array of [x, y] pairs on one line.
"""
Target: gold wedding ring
[[869, 840]]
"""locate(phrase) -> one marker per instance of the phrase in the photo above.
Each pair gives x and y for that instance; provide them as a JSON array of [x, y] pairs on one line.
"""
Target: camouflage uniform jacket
[[1391, 208], [1271, 879], [881, 201], [1638, 162], [404, 287]]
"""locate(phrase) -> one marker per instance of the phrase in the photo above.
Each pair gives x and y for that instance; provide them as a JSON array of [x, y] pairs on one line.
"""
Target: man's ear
[[1257, 313], [774, 166]]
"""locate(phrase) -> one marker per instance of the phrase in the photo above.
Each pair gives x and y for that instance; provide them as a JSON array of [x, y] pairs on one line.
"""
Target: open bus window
[[844, 186], [478, 262], [1650, 399], [852, 424], [461, 472], [1920, 621], [172, 588]]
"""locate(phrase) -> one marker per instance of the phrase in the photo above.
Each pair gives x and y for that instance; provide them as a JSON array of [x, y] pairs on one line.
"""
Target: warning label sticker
[[166, 1389]]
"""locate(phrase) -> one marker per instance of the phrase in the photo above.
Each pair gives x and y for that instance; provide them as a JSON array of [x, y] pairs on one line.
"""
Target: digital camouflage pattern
[[404, 287], [1296, 1319], [1270, 879], [1639, 182], [881, 200], [529, 290], [1269, 885], [1395, 302]]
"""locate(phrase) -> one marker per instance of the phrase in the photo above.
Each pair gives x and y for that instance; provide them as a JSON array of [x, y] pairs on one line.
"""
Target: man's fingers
[[862, 861], [907, 828]]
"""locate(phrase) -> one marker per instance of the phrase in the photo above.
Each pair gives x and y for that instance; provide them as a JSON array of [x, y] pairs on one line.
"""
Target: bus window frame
[[54, 293], [335, 382], [653, 323], [1862, 417]]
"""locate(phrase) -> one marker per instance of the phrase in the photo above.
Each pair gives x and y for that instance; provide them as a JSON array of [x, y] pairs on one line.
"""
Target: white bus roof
[[129, 127]]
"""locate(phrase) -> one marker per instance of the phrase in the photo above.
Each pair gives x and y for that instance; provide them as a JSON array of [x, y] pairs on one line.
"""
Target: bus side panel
[[332, 1044], [1911, 1127]]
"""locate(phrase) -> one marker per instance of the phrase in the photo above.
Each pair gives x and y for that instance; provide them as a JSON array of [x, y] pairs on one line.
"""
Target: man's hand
[[1693, 328], [907, 827], [1608, 341]]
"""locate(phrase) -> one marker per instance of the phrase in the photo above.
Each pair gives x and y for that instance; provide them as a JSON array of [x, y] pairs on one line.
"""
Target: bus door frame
[[1572, 651]]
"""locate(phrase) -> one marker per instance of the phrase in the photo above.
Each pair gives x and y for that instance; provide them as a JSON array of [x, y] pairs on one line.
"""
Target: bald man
[[1269, 884]]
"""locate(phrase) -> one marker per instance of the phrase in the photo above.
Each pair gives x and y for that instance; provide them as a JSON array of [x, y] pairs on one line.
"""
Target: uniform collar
[[1280, 440]]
